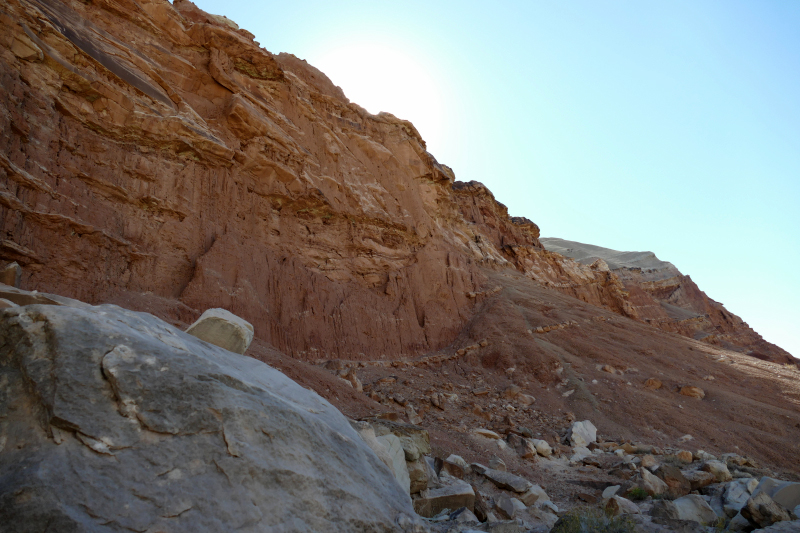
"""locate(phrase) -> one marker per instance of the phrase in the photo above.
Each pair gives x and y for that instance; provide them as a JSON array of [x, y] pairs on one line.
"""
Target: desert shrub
[[588, 520], [637, 493]]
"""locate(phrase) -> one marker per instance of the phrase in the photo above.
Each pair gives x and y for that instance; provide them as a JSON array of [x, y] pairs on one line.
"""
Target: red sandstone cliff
[[156, 156]]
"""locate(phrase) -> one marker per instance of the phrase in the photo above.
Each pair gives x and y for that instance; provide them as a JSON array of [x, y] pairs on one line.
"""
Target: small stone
[[718, 469], [527, 450], [525, 399], [648, 461], [456, 466], [699, 479], [692, 507], [653, 384], [224, 329], [543, 447], [693, 392], [508, 481], [533, 495], [617, 505], [487, 433], [497, 464], [675, 480], [651, 484], [608, 492], [684, 456], [505, 507], [418, 476]]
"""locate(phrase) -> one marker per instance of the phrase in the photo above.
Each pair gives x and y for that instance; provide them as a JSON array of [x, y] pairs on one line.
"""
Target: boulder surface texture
[[112, 420]]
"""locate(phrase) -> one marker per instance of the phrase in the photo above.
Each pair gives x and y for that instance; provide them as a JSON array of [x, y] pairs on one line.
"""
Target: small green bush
[[588, 520], [637, 493]]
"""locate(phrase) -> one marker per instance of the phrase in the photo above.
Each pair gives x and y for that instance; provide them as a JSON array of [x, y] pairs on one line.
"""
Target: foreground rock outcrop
[[112, 420]]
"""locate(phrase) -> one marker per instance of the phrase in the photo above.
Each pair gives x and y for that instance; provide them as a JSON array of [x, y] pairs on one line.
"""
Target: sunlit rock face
[[659, 294], [155, 156]]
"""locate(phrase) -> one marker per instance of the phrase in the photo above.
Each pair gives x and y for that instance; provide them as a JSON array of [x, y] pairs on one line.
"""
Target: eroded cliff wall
[[154, 155]]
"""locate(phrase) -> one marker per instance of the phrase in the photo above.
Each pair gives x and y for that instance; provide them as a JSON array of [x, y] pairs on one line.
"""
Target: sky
[[672, 127]]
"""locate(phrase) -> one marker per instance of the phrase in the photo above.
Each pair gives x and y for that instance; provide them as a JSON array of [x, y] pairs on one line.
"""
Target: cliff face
[[657, 293], [155, 156]]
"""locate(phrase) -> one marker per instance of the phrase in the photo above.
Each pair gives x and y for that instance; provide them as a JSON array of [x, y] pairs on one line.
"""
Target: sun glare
[[380, 78]]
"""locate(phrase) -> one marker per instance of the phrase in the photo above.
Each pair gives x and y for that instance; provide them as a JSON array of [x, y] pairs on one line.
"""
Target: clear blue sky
[[664, 126]]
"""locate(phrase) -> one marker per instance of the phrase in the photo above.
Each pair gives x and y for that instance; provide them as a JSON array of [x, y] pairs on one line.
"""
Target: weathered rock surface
[[432, 501], [718, 469], [677, 484], [651, 484], [763, 511], [114, 420], [785, 493], [394, 449], [507, 480], [691, 507], [617, 505]]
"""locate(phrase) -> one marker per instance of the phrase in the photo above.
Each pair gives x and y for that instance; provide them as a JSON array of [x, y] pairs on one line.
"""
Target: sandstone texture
[[156, 157], [114, 420]]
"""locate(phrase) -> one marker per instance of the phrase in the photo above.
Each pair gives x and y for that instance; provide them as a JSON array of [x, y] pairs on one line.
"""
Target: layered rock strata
[[155, 156]]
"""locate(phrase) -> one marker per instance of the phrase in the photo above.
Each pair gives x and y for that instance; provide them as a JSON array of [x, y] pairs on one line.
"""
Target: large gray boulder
[[112, 420]]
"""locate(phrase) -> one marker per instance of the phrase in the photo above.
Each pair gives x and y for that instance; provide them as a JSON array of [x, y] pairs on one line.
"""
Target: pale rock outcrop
[[224, 329], [582, 433], [115, 420]]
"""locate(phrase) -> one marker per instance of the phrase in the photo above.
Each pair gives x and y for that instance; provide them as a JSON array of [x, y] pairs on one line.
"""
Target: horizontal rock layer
[[155, 156]]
